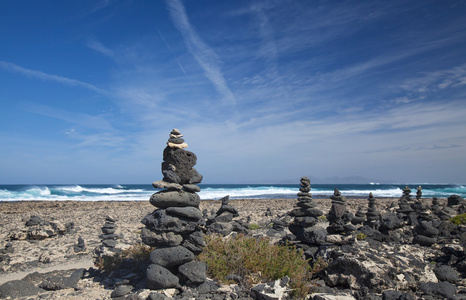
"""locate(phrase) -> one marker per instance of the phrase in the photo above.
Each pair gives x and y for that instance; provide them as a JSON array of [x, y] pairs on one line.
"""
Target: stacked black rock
[[359, 217], [457, 203], [426, 231], [108, 238], [80, 246], [419, 193], [339, 219], [174, 228], [222, 222], [306, 216], [405, 204], [372, 215], [435, 205], [278, 229]]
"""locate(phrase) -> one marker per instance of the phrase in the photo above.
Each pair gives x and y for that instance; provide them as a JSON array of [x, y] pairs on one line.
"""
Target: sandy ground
[[57, 253]]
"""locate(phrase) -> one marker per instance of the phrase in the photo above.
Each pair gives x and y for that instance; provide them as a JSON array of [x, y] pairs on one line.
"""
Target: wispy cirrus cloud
[[204, 55], [48, 77]]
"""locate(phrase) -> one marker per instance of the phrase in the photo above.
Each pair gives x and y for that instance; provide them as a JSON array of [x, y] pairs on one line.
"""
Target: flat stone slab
[[165, 199]]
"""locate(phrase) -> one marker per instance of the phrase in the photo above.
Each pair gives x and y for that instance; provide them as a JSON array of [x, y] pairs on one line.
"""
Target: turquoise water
[[142, 192]]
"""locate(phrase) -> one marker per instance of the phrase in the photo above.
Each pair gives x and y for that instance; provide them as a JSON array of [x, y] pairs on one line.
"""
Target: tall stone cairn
[[338, 216], [372, 215], [419, 193], [174, 228], [305, 215], [404, 204]]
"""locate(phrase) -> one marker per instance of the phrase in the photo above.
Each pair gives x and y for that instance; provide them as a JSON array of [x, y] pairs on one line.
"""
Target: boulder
[[160, 239], [168, 198], [18, 288], [160, 221], [158, 277], [194, 271], [171, 256]]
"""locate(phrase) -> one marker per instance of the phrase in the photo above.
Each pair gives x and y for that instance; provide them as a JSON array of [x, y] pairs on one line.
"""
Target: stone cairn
[[419, 193], [175, 227], [417, 205], [108, 238], [405, 209], [372, 215], [425, 231], [359, 217], [222, 222], [338, 217], [435, 205], [306, 216]]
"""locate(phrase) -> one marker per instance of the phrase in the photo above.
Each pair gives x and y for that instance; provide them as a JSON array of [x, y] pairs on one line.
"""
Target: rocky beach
[[56, 255], [411, 247]]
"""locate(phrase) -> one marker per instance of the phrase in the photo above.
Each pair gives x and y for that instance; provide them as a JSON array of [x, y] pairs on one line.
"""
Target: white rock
[[177, 146]]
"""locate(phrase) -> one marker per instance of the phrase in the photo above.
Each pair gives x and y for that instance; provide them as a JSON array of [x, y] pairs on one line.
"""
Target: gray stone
[[160, 221], [54, 283], [192, 188], [224, 217], [35, 220], [18, 288], [446, 273], [390, 222], [391, 295], [443, 289], [194, 271], [452, 200], [171, 256], [160, 239], [158, 277], [221, 228], [196, 238], [183, 161], [315, 235], [188, 212], [166, 198], [109, 243], [121, 290], [167, 185], [424, 240]]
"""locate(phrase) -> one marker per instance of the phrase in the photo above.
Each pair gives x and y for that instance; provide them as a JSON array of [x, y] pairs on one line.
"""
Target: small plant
[[256, 260], [138, 252], [361, 236], [322, 218], [254, 226], [459, 219]]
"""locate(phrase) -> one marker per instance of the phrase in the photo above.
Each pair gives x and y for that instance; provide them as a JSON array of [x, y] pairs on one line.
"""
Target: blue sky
[[263, 91]]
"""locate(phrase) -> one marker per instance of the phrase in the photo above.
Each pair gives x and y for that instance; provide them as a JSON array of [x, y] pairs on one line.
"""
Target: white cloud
[[204, 55], [48, 77]]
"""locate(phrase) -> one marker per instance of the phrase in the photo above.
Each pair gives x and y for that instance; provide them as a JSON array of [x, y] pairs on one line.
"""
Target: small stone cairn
[[338, 217], [306, 215], [359, 217], [405, 209], [372, 215], [175, 227], [435, 205], [222, 221], [108, 238], [425, 230]]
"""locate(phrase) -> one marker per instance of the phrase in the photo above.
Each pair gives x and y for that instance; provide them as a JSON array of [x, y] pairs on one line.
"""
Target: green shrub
[[138, 252], [322, 218], [254, 226], [361, 236], [459, 219], [256, 260]]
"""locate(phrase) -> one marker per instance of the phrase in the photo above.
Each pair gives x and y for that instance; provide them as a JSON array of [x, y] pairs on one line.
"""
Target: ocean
[[142, 192]]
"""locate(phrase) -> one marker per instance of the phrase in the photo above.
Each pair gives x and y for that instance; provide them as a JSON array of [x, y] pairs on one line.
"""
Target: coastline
[[89, 216]]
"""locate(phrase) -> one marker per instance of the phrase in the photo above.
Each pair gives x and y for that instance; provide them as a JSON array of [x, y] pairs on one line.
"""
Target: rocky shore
[[57, 255], [379, 249]]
